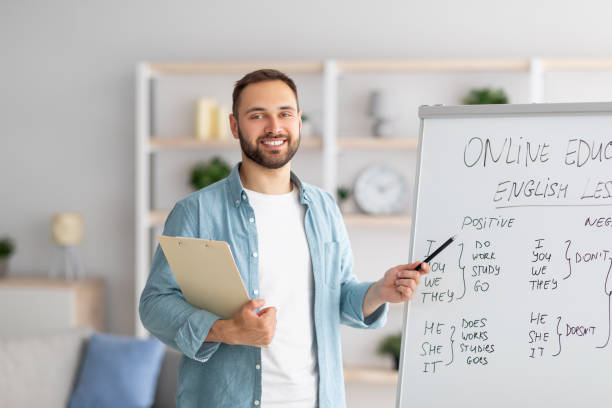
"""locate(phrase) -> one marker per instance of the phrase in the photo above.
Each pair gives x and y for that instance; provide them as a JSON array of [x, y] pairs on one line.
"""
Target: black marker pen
[[436, 252]]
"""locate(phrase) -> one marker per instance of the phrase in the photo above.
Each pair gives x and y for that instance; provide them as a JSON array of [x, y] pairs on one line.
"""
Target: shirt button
[[251, 219], [256, 402], [237, 202], [244, 196], [256, 292], [257, 367], [255, 254]]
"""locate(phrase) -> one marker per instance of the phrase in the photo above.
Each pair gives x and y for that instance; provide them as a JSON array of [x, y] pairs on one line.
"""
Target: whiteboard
[[516, 312]]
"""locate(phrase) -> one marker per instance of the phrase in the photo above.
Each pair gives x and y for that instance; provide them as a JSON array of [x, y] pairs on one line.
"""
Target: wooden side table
[[35, 305]]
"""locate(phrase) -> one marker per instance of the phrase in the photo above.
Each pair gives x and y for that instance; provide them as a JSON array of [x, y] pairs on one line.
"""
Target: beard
[[271, 159]]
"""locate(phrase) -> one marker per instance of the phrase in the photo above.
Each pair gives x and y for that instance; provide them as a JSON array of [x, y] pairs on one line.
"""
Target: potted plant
[[7, 247], [206, 173], [485, 96], [343, 193], [392, 345]]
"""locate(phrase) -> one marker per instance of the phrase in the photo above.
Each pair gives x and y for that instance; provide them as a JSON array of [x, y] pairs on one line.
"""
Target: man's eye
[[286, 114], [256, 117]]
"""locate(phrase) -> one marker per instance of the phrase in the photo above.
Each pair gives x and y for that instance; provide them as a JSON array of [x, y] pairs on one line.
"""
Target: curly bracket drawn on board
[[569, 260], [608, 292], [462, 272], [452, 342], [559, 334]]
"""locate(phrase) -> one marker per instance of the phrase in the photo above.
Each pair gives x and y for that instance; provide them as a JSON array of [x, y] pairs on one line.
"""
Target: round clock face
[[380, 189]]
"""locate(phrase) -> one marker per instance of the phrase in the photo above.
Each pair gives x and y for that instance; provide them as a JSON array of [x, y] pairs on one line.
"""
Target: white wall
[[67, 89]]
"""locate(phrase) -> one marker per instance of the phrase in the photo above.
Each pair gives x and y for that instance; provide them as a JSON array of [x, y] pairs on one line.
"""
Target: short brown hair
[[260, 75]]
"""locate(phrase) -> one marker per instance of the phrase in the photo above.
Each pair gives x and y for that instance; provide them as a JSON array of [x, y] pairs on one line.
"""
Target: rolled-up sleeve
[[163, 309], [351, 305]]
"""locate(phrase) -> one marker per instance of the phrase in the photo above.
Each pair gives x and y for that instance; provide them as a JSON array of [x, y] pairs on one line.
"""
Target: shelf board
[[237, 66], [370, 375], [312, 143], [161, 143], [410, 65], [44, 282], [377, 143], [167, 143], [158, 217], [577, 64], [467, 65]]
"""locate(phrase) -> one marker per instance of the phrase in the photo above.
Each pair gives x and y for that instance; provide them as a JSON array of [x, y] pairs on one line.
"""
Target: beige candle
[[67, 228]]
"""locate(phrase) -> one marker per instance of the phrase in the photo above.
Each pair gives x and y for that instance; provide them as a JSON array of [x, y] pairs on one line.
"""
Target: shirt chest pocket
[[331, 263]]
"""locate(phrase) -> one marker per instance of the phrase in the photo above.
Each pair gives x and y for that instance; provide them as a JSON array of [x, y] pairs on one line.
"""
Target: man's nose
[[273, 126]]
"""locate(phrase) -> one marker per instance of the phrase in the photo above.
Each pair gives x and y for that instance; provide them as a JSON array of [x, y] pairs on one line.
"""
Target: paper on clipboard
[[206, 273]]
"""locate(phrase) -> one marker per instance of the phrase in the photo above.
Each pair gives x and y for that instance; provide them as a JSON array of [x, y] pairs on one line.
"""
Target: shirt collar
[[238, 194]]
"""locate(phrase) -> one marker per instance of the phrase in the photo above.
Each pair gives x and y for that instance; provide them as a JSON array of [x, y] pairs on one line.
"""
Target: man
[[293, 253]]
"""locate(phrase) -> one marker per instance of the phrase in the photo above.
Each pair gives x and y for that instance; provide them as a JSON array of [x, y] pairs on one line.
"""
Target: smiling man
[[293, 253]]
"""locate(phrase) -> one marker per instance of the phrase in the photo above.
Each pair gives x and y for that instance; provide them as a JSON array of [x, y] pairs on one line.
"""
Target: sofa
[[42, 370]]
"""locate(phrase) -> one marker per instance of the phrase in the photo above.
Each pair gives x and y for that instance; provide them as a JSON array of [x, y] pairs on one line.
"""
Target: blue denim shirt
[[222, 375]]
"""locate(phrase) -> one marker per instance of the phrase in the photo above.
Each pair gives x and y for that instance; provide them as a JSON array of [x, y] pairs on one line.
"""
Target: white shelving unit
[[330, 145]]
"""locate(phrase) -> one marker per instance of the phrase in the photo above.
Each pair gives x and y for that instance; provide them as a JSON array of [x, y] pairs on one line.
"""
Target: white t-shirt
[[289, 365]]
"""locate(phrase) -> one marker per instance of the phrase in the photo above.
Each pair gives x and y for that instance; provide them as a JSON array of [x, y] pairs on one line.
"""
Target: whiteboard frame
[[456, 111], [538, 109]]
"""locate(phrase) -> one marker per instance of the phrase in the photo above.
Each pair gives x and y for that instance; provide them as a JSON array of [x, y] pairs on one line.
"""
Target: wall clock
[[380, 189]]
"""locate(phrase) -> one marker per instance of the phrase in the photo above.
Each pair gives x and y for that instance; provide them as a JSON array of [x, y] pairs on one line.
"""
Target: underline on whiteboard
[[553, 205]]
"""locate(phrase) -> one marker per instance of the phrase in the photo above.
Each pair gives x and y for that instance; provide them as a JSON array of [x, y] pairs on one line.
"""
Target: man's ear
[[233, 125]]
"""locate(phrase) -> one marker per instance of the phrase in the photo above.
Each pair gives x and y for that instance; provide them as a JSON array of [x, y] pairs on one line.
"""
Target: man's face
[[268, 124]]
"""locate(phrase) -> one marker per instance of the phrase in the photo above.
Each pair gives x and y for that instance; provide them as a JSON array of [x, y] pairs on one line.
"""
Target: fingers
[[267, 324], [268, 311], [407, 283], [254, 304], [409, 274], [247, 310], [425, 268], [406, 291], [409, 266]]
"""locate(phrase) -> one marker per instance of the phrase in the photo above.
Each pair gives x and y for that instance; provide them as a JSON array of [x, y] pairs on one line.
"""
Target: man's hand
[[398, 285], [246, 327]]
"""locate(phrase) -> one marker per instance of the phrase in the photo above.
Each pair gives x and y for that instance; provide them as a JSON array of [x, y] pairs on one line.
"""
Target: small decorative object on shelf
[[205, 118], [67, 232], [212, 120], [381, 190], [485, 96], [204, 174], [392, 345], [379, 109], [7, 247], [343, 193]]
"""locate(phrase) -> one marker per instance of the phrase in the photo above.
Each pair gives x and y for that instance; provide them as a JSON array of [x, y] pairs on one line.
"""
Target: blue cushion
[[118, 372]]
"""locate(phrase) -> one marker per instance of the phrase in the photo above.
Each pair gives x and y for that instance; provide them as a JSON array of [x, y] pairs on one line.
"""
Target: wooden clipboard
[[206, 273]]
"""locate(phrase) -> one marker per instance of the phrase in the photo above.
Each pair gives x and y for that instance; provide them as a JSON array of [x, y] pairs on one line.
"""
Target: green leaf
[[485, 96], [391, 344], [206, 173], [6, 247]]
